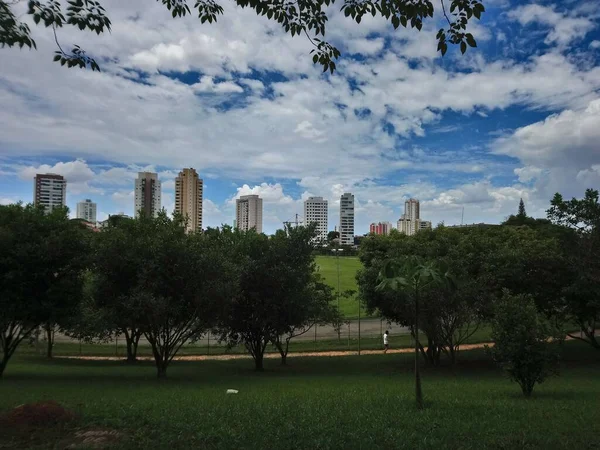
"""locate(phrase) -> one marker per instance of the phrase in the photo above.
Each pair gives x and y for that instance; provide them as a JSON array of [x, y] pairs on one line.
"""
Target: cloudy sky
[[241, 102]]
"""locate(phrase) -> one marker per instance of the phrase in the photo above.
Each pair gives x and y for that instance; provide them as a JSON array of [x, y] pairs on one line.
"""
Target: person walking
[[386, 343]]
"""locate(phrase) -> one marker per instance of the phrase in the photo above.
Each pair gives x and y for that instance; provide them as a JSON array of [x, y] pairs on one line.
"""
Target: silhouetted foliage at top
[[302, 17]]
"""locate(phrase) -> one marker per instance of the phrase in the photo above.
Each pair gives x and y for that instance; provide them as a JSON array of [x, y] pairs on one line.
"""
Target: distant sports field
[[328, 268]]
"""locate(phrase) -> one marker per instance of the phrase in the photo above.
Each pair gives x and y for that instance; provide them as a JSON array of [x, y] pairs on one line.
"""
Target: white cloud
[[207, 85], [76, 171], [595, 44], [270, 193], [564, 28]]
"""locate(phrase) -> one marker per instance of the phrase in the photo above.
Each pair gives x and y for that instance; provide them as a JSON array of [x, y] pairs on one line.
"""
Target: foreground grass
[[316, 403], [349, 265]]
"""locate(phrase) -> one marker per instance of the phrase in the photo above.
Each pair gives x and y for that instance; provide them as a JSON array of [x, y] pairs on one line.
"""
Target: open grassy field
[[351, 402], [349, 265]]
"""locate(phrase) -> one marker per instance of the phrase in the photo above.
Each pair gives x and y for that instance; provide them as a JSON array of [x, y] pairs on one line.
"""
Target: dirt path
[[268, 355], [276, 355]]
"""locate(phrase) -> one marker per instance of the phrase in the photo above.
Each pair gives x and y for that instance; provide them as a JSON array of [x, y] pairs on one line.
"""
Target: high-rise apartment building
[[188, 198], [316, 211], [347, 219], [412, 209], [406, 226], [49, 191], [381, 228], [410, 222], [86, 210], [147, 194], [249, 213]]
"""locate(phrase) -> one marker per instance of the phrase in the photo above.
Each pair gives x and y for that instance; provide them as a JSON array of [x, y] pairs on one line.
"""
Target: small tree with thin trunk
[[412, 277], [526, 345]]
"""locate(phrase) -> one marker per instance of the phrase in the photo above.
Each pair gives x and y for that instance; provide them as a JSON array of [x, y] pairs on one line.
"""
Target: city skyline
[[86, 209], [478, 130]]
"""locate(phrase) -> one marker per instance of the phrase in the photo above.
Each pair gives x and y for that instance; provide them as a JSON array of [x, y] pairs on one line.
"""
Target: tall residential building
[[410, 222], [249, 213], [347, 219], [407, 226], [381, 228], [147, 194], [86, 210], [50, 191], [316, 211], [188, 198], [412, 209]]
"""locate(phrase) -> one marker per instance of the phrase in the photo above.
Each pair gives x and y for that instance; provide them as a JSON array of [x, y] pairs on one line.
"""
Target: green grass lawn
[[328, 268], [354, 402]]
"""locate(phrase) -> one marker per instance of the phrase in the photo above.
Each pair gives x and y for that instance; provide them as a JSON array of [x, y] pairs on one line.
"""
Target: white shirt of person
[[385, 339]]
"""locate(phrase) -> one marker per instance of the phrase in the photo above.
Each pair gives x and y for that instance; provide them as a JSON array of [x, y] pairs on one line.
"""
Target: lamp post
[[337, 251]]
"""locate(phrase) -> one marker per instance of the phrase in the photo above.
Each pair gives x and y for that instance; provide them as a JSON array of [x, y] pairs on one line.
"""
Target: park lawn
[[315, 403], [349, 265]]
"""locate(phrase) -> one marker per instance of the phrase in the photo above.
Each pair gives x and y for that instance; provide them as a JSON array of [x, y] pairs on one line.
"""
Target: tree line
[[148, 277], [531, 279]]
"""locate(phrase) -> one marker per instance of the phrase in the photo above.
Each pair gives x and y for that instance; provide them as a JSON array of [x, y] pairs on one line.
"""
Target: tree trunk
[[132, 340], [258, 360], [49, 340], [3, 363], [282, 352], [418, 390], [161, 371]]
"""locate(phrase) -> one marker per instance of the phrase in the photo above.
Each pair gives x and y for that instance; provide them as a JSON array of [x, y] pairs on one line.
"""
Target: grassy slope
[[348, 267], [318, 403]]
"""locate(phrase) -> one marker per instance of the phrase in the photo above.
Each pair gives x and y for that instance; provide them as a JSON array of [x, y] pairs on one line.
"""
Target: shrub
[[526, 345]]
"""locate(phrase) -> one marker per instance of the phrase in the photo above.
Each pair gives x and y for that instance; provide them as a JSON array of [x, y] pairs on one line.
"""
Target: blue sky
[[241, 102]]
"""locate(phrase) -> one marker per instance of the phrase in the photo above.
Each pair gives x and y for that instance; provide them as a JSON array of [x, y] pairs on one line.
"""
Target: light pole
[[337, 251]]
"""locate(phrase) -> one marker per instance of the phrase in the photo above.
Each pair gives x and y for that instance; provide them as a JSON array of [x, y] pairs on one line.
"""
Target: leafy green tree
[[178, 284], [273, 276], [305, 17], [333, 235], [117, 256], [526, 345], [582, 296], [300, 313], [412, 277], [42, 259]]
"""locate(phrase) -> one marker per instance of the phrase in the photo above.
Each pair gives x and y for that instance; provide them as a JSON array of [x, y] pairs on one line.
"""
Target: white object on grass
[[232, 391]]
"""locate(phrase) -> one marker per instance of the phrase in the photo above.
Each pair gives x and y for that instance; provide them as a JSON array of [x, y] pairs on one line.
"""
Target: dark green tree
[[521, 213], [582, 296], [42, 260], [115, 268], [300, 312], [177, 285], [274, 273], [526, 345], [306, 17]]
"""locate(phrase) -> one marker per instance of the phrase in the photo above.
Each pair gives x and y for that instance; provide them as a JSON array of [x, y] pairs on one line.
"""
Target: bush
[[526, 345]]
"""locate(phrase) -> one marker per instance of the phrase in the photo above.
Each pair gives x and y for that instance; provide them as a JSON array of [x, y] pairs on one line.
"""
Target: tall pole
[[418, 391], [358, 326]]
